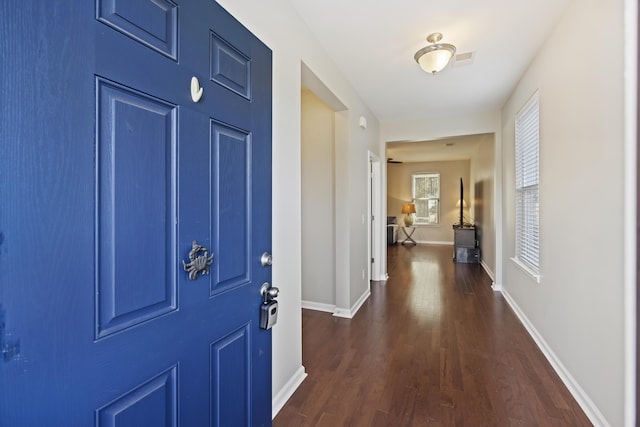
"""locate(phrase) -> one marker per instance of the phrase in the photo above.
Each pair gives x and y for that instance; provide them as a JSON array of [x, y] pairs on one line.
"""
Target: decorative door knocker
[[197, 263]]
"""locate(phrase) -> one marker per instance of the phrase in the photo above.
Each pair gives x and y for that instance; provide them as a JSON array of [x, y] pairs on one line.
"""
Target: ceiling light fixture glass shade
[[435, 57]]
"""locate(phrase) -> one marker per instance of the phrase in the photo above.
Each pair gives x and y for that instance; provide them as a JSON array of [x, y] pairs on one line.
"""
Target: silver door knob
[[273, 292], [269, 292], [266, 259]]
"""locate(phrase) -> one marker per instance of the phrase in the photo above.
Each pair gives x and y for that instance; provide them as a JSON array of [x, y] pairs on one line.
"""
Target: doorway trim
[[375, 218]]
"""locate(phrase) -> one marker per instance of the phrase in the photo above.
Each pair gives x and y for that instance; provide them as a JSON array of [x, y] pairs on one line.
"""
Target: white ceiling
[[445, 149], [373, 43]]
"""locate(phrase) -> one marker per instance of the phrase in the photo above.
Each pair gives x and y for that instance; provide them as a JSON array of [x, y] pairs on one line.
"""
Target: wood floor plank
[[432, 346]]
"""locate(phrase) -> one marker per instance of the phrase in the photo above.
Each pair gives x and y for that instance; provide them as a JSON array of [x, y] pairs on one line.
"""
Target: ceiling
[[373, 43], [445, 149]]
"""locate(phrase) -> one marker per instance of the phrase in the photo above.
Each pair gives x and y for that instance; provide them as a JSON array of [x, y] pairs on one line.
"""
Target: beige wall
[[399, 192], [576, 312], [318, 200], [483, 207]]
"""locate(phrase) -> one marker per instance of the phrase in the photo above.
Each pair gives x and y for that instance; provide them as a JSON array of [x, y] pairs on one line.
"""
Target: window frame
[[423, 220], [527, 187]]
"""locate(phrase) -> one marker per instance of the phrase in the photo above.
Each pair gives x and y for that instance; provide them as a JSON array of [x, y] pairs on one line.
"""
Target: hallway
[[433, 346]]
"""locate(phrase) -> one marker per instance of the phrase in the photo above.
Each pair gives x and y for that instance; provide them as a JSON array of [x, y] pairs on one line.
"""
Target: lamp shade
[[435, 61], [408, 208], [435, 57]]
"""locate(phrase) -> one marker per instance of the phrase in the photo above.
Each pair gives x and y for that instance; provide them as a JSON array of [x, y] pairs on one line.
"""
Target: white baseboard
[[285, 393], [349, 313], [488, 270], [496, 287], [317, 306], [342, 312], [360, 301], [587, 405]]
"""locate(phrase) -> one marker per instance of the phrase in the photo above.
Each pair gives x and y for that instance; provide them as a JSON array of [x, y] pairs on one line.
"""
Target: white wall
[[577, 309], [279, 27], [318, 200], [361, 142], [434, 127]]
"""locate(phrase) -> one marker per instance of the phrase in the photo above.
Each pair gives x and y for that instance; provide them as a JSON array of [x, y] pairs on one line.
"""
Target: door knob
[[266, 259], [269, 292], [273, 292]]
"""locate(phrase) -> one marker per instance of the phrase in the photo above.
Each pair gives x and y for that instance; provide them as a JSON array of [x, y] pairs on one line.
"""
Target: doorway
[[376, 219], [321, 160]]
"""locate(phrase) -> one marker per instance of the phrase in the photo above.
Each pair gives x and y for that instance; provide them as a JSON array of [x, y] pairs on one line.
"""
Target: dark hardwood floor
[[433, 346]]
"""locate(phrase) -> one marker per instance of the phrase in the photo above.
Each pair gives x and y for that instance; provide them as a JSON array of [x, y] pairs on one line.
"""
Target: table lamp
[[409, 209]]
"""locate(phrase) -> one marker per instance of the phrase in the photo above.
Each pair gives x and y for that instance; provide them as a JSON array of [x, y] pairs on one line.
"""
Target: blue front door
[[133, 215]]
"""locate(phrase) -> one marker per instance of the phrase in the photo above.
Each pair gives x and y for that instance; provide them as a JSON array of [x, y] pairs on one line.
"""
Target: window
[[426, 195], [527, 171]]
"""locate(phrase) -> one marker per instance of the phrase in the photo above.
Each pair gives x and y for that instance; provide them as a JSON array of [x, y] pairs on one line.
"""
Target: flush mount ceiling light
[[436, 56]]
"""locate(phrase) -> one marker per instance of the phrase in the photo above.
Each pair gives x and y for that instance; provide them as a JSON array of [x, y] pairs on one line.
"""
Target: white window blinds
[[527, 178], [426, 196]]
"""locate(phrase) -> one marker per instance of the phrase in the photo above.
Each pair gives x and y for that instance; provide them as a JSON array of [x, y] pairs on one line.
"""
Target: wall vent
[[463, 59]]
